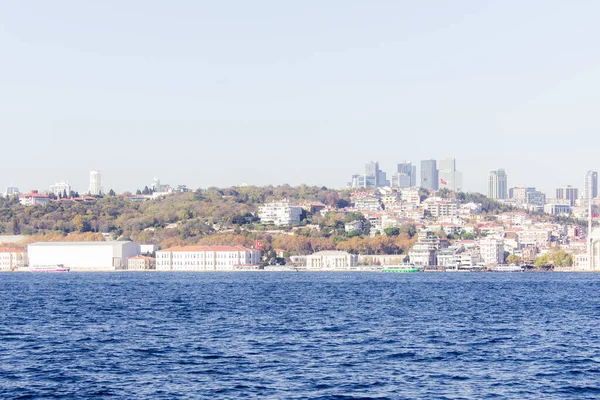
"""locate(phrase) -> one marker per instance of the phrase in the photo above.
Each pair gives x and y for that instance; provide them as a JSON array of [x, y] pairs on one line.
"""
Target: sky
[[220, 93]]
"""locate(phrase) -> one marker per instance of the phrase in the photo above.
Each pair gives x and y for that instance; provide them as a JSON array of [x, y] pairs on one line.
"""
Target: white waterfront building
[[279, 213], [206, 258], [331, 260], [83, 256]]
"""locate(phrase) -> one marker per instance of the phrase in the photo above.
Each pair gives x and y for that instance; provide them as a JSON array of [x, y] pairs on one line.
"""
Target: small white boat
[[49, 268], [507, 268]]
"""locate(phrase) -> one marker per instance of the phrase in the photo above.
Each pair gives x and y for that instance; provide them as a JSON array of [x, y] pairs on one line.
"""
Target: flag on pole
[[443, 182]]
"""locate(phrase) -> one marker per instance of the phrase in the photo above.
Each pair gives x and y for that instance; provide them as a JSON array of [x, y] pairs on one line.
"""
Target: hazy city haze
[[270, 92]]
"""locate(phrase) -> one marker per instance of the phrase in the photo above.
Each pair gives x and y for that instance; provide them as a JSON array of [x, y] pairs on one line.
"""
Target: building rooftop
[[80, 243], [11, 250], [206, 248]]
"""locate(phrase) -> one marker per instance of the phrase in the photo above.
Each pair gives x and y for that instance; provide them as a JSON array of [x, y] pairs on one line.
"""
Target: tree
[[392, 231], [562, 259], [15, 227], [513, 259], [81, 224], [423, 194], [409, 229], [112, 193], [542, 261]]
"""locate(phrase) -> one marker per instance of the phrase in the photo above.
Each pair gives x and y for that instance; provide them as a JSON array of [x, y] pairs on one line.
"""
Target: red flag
[[258, 245], [443, 182]]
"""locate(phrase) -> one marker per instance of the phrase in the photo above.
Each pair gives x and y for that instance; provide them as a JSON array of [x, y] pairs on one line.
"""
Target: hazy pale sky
[[218, 93]]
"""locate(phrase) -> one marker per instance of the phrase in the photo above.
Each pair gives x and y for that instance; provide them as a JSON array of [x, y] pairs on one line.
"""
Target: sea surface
[[299, 335]]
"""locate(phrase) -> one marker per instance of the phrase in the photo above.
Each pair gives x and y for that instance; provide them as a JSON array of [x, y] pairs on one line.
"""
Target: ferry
[[50, 268], [400, 268]]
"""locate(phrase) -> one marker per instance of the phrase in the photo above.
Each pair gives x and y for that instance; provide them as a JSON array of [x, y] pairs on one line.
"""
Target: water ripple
[[296, 336]]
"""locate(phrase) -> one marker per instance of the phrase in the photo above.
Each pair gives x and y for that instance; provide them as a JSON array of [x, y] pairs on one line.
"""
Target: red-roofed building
[[206, 258], [34, 198]]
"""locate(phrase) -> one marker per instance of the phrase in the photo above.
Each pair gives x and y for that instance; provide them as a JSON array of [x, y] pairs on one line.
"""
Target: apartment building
[[280, 213], [492, 250]]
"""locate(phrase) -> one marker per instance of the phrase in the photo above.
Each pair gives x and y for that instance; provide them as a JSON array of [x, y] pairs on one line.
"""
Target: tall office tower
[[95, 182], [449, 177], [590, 186], [406, 176], [372, 174], [568, 193], [373, 177], [429, 174], [497, 184]]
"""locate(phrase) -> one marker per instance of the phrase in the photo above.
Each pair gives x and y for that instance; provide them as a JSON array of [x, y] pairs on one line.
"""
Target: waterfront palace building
[[206, 258]]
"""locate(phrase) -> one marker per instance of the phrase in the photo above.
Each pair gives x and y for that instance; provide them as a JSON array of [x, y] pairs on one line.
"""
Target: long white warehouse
[[83, 256]]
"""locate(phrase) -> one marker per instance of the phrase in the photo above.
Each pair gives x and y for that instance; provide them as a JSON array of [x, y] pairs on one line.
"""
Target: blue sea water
[[299, 335]]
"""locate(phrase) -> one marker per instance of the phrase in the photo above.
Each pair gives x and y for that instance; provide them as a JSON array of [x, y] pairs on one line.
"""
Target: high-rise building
[[11, 191], [60, 188], [95, 183], [497, 184], [406, 176], [449, 177], [519, 194], [590, 187], [569, 194], [373, 177], [429, 174]]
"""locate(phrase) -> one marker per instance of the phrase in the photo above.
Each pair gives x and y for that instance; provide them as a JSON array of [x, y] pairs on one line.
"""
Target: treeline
[[180, 218]]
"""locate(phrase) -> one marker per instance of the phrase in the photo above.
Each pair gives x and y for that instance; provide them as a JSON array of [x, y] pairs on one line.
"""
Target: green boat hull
[[400, 270]]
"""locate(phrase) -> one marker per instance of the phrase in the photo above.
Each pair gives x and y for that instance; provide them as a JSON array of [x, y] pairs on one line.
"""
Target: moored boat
[[49, 268], [400, 268]]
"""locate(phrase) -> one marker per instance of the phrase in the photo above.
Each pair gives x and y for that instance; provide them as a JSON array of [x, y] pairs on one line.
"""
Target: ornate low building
[[141, 263], [331, 260], [206, 258]]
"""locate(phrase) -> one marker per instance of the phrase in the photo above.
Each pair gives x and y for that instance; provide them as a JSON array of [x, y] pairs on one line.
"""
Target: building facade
[[141, 263], [449, 177], [12, 259], [429, 174], [331, 260], [83, 256], [34, 198], [492, 250], [280, 213], [497, 185], [95, 187], [206, 258], [405, 176], [11, 191], [590, 187], [568, 195]]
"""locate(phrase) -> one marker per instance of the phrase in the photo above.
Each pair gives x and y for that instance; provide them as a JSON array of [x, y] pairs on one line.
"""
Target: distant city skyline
[[94, 180], [206, 94]]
